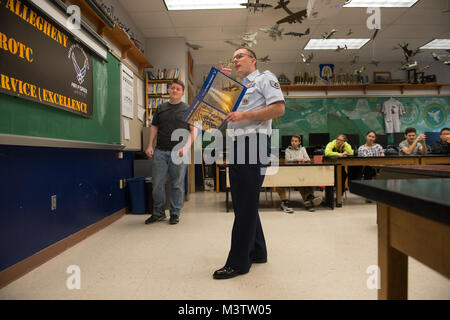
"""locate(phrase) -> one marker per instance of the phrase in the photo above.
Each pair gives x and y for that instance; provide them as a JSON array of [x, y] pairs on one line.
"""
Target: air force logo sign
[[81, 72]]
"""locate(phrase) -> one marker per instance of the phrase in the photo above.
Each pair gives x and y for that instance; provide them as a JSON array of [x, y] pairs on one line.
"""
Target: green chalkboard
[[23, 117], [358, 115]]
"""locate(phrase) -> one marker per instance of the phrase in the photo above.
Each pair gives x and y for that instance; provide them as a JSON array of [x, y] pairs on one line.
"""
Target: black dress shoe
[[259, 260], [226, 273]]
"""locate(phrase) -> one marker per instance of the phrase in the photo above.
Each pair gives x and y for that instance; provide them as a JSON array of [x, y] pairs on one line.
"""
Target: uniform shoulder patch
[[275, 84]]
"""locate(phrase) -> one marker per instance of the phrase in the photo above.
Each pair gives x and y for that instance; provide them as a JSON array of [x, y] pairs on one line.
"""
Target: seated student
[[411, 145], [339, 147], [370, 149], [297, 153], [442, 146]]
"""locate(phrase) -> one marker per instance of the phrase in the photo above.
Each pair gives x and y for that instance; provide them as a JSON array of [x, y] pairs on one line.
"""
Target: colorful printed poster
[[218, 96]]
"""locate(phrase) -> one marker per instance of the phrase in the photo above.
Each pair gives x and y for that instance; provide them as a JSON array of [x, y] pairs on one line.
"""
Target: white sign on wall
[[127, 92]]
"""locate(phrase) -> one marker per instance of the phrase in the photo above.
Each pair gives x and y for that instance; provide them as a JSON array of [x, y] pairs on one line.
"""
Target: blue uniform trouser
[[162, 166], [247, 237]]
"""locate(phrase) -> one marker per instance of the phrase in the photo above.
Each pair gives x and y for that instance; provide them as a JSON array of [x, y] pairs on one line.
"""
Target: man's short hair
[[444, 129], [297, 136], [409, 130], [250, 52], [179, 82], [342, 135]]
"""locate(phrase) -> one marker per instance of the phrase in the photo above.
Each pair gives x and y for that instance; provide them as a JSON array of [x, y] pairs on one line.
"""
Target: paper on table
[[126, 129]]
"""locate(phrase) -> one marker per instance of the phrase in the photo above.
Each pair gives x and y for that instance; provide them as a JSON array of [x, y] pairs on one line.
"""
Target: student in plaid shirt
[[371, 149]]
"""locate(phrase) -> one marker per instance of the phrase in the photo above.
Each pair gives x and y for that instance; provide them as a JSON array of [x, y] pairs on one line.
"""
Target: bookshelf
[[402, 88], [156, 89]]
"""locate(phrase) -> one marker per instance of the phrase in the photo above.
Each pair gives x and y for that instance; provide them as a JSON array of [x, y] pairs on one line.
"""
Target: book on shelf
[[153, 103], [157, 88], [164, 74]]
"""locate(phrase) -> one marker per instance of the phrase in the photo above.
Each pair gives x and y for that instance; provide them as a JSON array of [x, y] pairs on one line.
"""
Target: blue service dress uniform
[[247, 238]]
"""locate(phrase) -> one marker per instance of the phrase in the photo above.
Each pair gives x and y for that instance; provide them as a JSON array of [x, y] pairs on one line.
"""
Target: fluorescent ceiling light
[[380, 3], [437, 44], [332, 44], [203, 4]]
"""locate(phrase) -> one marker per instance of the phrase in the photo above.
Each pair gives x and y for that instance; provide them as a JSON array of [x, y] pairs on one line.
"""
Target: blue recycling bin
[[137, 195]]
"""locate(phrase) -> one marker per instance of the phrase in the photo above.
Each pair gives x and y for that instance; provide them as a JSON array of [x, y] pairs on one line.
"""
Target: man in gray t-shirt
[[412, 145], [167, 119]]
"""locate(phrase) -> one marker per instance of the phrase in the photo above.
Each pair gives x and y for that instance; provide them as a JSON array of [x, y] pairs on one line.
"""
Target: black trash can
[[137, 195], [148, 192]]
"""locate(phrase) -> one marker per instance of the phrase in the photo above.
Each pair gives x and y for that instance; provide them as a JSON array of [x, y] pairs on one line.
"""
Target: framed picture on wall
[[380, 77]]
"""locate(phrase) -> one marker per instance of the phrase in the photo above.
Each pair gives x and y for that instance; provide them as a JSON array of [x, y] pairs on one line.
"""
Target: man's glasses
[[239, 56]]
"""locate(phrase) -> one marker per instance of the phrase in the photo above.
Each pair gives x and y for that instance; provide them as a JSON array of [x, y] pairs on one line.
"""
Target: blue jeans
[[162, 166]]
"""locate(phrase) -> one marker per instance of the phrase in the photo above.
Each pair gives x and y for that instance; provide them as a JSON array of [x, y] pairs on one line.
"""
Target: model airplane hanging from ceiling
[[232, 43], [292, 17], [407, 52], [307, 60], [436, 57], [359, 71], [193, 46], [327, 35], [341, 48], [355, 60], [273, 32], [323, 8], [264, 59], [441, 58], [374, 62], [256, 5], [249, 38], [297, 34]]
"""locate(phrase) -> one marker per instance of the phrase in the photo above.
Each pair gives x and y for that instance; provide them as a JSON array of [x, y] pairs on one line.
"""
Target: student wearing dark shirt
[[442, 146], [167, 119]]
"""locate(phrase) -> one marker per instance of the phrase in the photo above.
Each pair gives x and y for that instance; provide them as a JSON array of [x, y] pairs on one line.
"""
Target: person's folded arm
[[329, 151], [349, 149]]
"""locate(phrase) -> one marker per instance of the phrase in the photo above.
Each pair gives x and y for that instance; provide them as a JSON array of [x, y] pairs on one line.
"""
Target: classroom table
[[413, 171], [296, 175], [413, 217], [374, 161]]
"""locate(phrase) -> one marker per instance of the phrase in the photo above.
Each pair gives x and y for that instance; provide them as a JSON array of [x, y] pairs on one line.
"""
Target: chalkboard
[[22, 117], [358, 115]]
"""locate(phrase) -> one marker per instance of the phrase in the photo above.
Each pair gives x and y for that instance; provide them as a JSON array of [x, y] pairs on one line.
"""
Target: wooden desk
[[364, 161], [435, 159], [297, 175], [413, 218]]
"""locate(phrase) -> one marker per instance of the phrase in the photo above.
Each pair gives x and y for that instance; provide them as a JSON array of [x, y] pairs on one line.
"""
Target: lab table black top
[[429, 198]]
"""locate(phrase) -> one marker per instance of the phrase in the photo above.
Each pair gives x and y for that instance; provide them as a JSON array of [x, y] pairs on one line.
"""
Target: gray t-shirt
[[169, 117], [405, 144], [292, 154]]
